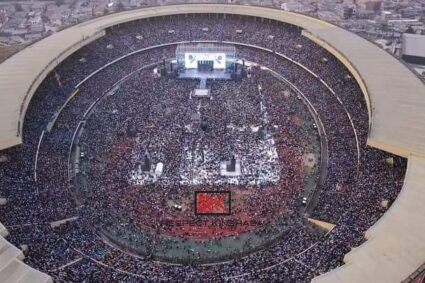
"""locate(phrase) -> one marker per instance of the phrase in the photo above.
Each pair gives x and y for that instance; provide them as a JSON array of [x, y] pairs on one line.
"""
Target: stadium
[[210, 143]]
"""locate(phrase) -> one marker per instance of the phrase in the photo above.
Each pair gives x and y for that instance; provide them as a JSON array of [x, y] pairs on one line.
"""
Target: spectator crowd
[[106, 218]]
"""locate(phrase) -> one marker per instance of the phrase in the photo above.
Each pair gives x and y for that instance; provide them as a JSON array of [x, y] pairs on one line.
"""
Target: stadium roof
[[397, 96], [394, 95], [395, 245], [12, 269]]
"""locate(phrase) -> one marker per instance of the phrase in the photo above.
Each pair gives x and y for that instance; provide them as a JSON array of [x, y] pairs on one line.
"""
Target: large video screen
[[191, 59]]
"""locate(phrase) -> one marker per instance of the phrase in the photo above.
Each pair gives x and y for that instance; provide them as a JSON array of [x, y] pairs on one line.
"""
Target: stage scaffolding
[[206, 48]]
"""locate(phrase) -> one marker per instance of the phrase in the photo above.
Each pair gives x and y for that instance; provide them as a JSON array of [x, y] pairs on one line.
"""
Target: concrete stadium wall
[[395, 99]]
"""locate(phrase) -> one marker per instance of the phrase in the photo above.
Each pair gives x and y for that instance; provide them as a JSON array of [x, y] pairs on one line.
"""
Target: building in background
[[369, 5], [413, 48]]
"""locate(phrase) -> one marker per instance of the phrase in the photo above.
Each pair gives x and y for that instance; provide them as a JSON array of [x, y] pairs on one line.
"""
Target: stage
[[195, 74]]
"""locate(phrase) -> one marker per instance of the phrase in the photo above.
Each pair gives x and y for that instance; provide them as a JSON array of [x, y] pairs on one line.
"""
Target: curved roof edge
[[12, 269], [394, 95], [395, 245], [9, 142], [396, 99], [21, 74]]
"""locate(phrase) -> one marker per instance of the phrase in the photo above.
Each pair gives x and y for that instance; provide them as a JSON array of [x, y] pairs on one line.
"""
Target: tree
[[410, 30], [105, 11], [120, 7], [45, 19], [18, 7], [59, 2]]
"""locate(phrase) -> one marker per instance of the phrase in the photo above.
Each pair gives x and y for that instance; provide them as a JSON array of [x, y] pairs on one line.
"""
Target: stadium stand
[[12, 269], [395, 100]]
